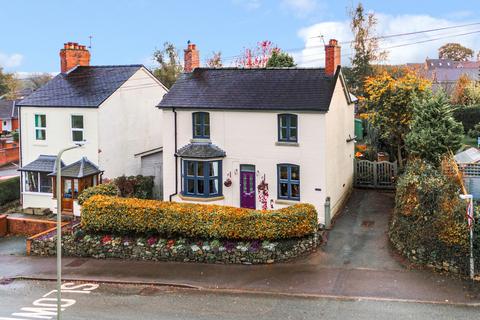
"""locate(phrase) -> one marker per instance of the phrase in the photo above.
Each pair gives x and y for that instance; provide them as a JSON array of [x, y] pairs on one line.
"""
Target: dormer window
[[287, 128], [201, 125]]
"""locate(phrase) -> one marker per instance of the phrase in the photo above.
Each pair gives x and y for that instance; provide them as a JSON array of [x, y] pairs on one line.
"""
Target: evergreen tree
[[434, 131], [280, 60]]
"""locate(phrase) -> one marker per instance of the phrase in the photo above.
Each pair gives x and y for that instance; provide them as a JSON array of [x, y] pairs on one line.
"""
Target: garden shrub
[[468, 116], [132, 216], [475, 132], [429, 222], [107, 189], [139, 186], [9, 190]]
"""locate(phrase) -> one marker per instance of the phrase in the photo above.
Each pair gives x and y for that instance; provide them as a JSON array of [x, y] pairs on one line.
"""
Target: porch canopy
[[35, 174], [76, 177]]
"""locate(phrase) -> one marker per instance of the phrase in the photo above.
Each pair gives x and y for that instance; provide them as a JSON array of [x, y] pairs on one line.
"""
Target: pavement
[[9, 171], [25, 299], [356, 263]]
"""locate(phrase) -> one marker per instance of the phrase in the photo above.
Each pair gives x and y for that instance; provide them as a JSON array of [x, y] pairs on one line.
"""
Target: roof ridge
[[112, 66], [258, 69]]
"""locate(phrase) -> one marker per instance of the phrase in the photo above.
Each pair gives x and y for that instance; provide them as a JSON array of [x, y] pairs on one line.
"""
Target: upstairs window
[[288, 181], [202, 178], [201, 125], [77, 128], [287, 128], [40, 127]]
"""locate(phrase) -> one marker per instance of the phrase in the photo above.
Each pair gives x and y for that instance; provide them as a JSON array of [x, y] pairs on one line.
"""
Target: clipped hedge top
[[128, 215]]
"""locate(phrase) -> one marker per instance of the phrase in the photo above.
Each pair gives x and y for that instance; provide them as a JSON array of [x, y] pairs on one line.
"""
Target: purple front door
[[247, 187]]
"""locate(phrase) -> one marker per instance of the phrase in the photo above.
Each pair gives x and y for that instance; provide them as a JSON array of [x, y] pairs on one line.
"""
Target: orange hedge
[[128, 215]]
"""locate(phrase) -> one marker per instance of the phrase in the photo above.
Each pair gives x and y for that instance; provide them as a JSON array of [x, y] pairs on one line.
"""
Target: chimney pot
[[191, 58], [73, 55], [332, 57]]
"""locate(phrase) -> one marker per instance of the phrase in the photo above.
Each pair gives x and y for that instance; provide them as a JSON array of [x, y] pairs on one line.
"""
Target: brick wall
[[3, 225], [28, 227], [9, 155]]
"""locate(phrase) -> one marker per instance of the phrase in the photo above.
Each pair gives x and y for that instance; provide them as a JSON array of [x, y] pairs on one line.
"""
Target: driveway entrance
[[359, 237]]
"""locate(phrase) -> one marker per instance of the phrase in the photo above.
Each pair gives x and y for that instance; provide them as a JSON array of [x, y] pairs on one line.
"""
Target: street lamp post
[[59, 226], [471, 221]]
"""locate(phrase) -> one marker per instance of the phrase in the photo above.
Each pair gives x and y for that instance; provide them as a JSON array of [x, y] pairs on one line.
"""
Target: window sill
[[37, 193], [200, 140], [287, 202], [193, 198], [288, 144]]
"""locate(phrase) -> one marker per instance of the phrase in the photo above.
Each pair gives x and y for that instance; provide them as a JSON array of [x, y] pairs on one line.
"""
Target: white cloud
[[248, 4], [10, 61], [313, 53], [300, 8]]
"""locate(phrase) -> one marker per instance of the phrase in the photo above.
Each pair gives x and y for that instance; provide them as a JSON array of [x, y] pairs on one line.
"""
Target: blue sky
[[129, 31]]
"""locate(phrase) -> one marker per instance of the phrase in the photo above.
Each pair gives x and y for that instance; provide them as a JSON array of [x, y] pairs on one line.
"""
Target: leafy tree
[[455, 51], [169, 64], [215, 61], [466, 92], [9, 84], [365, 46], [38, 80], [389, 102], [280, 59], [434, 131]]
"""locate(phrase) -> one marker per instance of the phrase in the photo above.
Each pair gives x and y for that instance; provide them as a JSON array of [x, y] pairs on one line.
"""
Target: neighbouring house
[[8, 116], [444, 73], [259, 138], [110, 108]]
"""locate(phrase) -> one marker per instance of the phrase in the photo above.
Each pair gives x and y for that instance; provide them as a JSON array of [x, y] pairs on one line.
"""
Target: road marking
[[46, 308]]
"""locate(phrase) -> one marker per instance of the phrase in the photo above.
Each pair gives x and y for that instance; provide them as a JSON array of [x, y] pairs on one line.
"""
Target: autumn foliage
[[129, 216]]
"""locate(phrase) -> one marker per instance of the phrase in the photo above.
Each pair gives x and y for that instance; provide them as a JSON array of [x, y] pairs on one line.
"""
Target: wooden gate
[[373, 174]]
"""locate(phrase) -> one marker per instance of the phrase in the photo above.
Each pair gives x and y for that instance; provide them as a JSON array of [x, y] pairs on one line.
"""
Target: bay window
[[202, 178]]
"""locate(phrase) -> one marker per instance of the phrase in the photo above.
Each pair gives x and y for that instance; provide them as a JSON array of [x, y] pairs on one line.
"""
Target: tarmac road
[[119, 302]]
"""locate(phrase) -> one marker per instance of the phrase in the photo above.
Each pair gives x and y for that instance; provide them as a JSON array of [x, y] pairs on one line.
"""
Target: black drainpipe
[[176, 156], [20, 164]]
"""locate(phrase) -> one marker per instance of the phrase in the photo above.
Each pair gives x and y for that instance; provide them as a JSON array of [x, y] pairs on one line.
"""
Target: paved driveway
[[359, 236]]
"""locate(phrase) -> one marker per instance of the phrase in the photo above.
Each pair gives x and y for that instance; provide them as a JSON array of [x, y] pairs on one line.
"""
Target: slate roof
[[199, 150], [80, 169], [44, 163], [252, 89], [83, 86], [6, 109]]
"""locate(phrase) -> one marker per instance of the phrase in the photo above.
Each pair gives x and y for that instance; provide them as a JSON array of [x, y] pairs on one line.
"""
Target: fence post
[[327, 213], [375, 178]]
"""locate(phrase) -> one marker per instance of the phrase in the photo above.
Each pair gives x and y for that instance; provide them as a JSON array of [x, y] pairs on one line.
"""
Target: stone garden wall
[[79, 244]]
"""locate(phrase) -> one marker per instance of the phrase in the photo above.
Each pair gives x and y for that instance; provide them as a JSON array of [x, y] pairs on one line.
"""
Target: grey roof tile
[[84, 86], [252, 89], [200, 150], [81, 168], [44, 163]]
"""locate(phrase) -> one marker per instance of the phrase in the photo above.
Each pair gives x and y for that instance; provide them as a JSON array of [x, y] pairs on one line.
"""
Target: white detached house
[[259, 138], [112, 108]]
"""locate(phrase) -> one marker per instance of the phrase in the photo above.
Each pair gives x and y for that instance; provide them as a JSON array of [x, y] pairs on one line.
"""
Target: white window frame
[[40, 128], [39, 182], [72, 129]]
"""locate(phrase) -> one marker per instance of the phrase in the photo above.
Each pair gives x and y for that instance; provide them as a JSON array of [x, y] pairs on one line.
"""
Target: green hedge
[[468, 116], [429, 225], [106, 189], [9, 190], [132, 216]]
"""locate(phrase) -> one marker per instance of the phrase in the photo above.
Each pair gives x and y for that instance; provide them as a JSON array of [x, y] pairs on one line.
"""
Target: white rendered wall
[[340, 153], [130, 123], [250, 137]]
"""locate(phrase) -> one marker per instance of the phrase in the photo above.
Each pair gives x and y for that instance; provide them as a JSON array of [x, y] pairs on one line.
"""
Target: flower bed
[[79, 244]]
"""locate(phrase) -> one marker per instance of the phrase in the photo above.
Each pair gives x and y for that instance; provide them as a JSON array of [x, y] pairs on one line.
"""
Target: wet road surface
[[147, 302]]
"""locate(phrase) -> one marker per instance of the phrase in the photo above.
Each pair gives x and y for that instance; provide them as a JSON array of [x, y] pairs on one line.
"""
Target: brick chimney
[[73, 55], [191, 58], [332, 57]]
